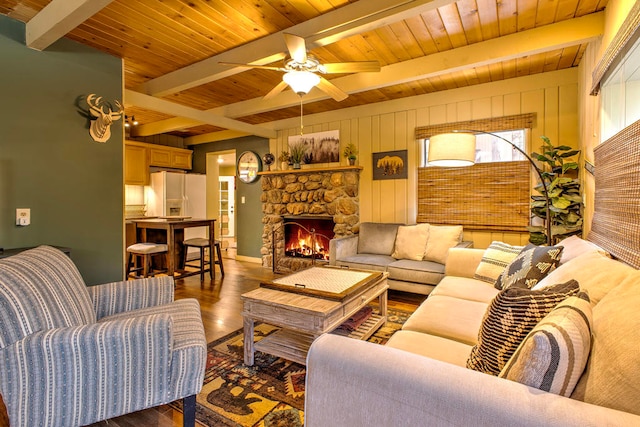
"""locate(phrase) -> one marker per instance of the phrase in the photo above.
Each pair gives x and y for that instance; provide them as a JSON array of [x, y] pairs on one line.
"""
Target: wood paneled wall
[[390, 126]]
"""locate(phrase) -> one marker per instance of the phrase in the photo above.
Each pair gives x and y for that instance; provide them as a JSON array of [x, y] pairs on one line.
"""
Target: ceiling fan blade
[[352, 67], [297, 47], [332, 90], [262, 67], [276, 90]]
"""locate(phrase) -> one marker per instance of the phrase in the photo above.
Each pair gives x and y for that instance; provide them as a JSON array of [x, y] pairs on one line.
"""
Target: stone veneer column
[[330, 192]]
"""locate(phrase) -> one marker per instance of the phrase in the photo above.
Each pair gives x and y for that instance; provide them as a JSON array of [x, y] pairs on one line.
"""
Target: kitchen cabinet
[[181, 159], [136, 165], [169, 157], [138, 156]]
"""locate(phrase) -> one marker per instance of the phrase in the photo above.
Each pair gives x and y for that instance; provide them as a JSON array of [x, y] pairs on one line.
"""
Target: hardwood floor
[[221, 314]]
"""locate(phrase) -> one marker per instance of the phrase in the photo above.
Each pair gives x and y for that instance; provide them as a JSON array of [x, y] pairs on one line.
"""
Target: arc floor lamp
[[458, 148]]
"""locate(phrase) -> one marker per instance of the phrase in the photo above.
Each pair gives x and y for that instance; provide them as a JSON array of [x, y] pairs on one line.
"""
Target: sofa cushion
[[448, 317], [553, 356], [427, 272], [594, 272], [495, 259], [512, 314], [443, 349], [377, 238], [41, 289], [465, 288], [530, 266], [441, 239], [367, 261], [411, 241], [574, 246], [612, 377]]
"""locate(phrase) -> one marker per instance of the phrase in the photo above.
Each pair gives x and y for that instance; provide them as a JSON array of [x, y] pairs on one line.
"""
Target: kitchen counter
[[134, 218]]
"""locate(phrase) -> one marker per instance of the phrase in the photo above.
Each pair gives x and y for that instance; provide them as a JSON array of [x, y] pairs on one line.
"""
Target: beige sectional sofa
[[420, 376], [416, 265]]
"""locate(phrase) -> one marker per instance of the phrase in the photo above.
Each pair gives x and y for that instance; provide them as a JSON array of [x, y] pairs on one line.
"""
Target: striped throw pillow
[[495, 259], [511, 315], [554, 354]]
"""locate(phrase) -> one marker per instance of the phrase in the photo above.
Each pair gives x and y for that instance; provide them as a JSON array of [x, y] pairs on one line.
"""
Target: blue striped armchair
[[72, 355]]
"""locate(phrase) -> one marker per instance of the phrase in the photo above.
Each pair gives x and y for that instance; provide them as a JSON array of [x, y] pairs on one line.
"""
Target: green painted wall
[[49, 162], [248, 215]]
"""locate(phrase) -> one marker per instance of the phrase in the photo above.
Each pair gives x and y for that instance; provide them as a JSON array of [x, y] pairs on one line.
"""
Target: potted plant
[[297, 154], [284, 159], [564, 194], [350, 152]]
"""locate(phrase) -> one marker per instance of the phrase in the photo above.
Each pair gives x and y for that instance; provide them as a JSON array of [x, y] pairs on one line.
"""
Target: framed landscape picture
[[390, 165], [320, 147]]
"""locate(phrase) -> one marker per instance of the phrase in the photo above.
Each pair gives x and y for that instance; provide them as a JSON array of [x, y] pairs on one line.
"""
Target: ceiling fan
[[302, 71]]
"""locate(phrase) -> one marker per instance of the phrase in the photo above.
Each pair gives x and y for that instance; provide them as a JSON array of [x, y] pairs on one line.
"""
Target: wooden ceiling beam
[[543, 39], [328, 28], [518, 45], [167, 125], [204, 117], [57, 19], [222, 135]]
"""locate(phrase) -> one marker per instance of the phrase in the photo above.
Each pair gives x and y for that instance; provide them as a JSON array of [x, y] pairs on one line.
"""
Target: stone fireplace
[[302, 210]]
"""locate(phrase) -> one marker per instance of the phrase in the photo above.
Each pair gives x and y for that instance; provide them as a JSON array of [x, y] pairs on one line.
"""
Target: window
[[490, 149], [493, 194], [620, 92]]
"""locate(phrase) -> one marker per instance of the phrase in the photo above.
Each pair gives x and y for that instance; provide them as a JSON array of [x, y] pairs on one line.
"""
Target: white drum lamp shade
[[301, 82], [452, 149]]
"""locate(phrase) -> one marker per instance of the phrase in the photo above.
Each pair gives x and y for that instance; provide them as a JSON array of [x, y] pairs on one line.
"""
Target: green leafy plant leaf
[[563, 191]]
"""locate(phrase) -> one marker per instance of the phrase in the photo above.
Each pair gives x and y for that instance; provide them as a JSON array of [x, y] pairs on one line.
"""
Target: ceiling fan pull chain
[[301, 125]]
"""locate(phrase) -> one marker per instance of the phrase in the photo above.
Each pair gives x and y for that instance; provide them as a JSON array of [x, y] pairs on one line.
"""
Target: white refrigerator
[[166, 196], [179, 195], [195, 203]]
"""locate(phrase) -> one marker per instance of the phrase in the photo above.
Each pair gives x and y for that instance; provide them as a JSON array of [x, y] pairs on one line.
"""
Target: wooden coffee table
[[303, 317]]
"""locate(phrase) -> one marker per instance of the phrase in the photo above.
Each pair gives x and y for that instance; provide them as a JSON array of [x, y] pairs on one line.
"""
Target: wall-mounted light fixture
[[128, 121]]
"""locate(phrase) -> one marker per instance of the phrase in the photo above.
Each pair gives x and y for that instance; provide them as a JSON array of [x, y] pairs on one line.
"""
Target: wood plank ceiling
[[172, 49]]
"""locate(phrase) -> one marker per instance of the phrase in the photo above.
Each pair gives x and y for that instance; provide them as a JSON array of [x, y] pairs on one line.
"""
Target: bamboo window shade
[[519, 121], [485, 196], [616, 218]]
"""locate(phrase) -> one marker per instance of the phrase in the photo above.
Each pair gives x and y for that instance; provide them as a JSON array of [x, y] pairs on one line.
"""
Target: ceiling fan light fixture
[[301, 82]]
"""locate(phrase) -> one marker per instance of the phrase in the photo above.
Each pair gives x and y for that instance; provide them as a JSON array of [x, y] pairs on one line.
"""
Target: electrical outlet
[[23, 217]]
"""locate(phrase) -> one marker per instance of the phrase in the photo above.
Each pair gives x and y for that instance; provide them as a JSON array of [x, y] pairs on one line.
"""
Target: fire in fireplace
[[308, 237]]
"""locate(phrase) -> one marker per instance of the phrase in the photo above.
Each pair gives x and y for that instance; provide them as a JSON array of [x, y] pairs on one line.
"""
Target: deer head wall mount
[[101, 120]]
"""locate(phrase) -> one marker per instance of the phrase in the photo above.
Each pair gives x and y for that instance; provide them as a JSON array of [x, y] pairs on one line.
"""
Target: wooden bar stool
[[202, 244], [145, 251]]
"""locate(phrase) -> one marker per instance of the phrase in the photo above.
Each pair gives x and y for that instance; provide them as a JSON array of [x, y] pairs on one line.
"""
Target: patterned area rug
[[268, 394]]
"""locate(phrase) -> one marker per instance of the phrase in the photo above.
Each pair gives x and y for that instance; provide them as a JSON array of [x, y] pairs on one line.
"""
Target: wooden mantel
[[313, 170]]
